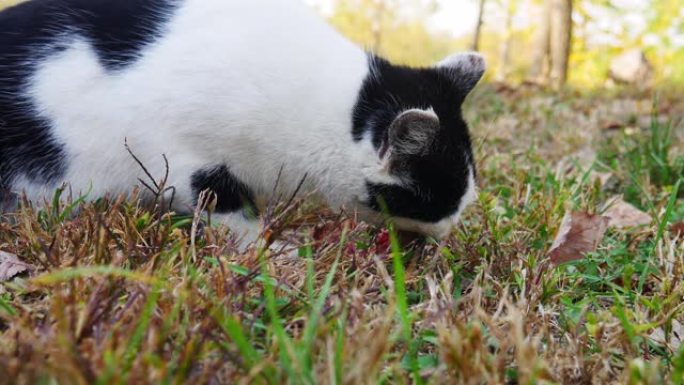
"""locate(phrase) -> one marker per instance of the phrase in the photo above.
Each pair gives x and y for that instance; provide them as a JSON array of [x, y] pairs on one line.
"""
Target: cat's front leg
[[231, 202]]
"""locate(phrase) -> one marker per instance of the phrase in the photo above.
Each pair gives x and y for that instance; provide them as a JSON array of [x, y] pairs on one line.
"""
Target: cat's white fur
[[197, 94]]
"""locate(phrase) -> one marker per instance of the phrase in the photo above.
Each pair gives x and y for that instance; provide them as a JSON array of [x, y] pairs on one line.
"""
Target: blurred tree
[[561, 39], [553, 43], [605, 29], [475, 46], [663, 38], [507, 40], [540, 69]]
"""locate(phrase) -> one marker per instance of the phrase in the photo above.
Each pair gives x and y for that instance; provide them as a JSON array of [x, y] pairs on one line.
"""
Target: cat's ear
[[464, 70], [412, 132]]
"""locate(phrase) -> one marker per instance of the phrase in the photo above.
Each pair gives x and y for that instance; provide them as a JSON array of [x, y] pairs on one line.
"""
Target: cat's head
[[414, 121]]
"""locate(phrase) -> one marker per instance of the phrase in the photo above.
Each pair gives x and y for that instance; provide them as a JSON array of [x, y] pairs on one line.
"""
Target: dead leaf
[[623, 215], [11, 266], [579, 233], [677, 229], [613, 125]]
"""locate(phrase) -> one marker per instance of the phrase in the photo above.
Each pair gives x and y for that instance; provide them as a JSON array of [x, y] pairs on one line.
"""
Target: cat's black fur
[[437, 182], [231, 194]]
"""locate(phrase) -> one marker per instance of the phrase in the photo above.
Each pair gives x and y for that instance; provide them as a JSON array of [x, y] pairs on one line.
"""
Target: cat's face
[[413, 119]]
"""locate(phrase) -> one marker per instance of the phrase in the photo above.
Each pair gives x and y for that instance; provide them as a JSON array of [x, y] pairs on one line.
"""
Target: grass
[[120, 296]]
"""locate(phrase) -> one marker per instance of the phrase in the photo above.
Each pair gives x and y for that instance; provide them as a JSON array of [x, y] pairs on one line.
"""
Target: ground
[[108, 292]]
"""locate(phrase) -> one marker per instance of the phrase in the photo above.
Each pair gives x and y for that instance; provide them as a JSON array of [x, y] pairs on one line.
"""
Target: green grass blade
[[402, 304], [232, 327], [339, 348], [668, 211], [285, 345], [136, 340], [312, 323], [6, 307]]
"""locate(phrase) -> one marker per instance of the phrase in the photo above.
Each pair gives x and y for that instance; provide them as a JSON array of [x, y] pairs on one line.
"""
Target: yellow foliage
[[404, 42], [7, 3], [409, 42]]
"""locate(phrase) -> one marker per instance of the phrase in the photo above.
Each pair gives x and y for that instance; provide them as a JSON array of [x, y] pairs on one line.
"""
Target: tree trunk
[[475, 46], [539, 72], [506, 45], [561, 40]]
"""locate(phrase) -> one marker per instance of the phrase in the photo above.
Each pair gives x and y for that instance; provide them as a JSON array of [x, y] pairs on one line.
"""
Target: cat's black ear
[[464, 70], [412, 133]]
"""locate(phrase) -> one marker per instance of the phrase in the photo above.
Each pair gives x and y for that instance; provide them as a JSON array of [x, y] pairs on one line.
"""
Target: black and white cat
[[235, 93]]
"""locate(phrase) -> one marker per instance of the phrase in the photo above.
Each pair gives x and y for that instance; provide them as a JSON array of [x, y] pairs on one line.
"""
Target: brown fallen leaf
[[677, 229], [579, 233], [623, 215], [614, 125], [11, 266]]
